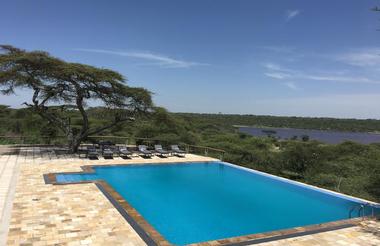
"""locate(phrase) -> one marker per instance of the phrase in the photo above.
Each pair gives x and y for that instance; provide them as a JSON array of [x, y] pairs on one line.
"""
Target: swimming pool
[[197, 202]]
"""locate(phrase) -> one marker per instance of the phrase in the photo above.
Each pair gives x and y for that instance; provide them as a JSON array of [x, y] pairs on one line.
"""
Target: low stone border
[[152, 237], [283, 234]]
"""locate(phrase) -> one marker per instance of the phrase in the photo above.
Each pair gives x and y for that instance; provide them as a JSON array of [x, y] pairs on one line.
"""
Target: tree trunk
[[73, 146], [72, 143]]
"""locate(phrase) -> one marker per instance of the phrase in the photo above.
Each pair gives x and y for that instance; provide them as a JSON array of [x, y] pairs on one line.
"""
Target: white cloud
[[277, 75], [363, 57], [161, 60], [285, 53], [342, 79], [291, 85], [290, 14], [281, 73], [279, 49], [332, 105], [276, 67]]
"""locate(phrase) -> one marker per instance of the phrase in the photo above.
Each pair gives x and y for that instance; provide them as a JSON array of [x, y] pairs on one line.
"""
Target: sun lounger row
[[108, 151]]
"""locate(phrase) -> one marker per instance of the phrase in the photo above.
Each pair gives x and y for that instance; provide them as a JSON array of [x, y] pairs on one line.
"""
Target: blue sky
[[288, 57]]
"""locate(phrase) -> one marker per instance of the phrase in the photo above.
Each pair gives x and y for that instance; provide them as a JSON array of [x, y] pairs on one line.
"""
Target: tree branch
[[100, 129]]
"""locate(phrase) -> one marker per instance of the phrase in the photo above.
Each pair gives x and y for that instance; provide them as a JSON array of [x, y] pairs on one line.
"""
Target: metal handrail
[[353, 208], [128, 140], [206, 150], [210, 148], [361, 210]]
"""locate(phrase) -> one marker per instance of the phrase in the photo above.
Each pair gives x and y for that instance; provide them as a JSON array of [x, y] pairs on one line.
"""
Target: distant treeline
[[220, 121], [227, 120]]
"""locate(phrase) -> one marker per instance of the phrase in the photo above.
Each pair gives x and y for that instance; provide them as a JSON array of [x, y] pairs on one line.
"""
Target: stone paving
[[8, 177], [81, 215], [367, 234]]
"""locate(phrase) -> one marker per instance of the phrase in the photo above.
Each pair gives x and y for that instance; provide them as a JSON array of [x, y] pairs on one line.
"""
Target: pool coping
[[152, 237], [304, 185]]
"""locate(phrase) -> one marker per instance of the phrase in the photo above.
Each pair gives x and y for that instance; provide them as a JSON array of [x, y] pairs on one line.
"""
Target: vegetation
[[71, 86], [227, 121], [349, 167]]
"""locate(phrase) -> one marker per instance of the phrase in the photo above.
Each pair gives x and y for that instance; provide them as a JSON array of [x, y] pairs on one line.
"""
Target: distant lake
[[332, 137]]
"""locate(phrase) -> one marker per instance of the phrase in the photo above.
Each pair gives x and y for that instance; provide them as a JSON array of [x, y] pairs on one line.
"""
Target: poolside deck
[[81, 215]]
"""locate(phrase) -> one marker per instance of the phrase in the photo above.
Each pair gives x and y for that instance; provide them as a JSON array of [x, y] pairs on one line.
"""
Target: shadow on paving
[[31, 152], [372, 227]]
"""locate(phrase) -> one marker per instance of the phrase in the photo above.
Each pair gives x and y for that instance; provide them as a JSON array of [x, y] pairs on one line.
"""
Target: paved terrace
[[68, 215]]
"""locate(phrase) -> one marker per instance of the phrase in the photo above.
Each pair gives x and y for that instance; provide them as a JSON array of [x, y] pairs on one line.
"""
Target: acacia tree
[[60, 87]]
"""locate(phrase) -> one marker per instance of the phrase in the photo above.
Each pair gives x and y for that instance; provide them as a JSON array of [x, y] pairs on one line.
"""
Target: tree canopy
[[59, 86]]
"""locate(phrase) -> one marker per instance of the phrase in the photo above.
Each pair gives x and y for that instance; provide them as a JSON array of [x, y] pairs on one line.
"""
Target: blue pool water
[[189, 203]]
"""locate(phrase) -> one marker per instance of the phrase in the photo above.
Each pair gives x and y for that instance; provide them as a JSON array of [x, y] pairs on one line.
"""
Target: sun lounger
[[124, 152], [160, 151], [177, 151], [82, 151], [107, 152], [144, 152], [92, 153]]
